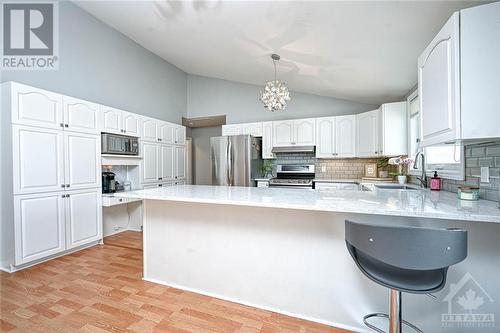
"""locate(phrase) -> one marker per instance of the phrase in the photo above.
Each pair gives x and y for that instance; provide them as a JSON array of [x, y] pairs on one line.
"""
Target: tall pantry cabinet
[[51, 175]]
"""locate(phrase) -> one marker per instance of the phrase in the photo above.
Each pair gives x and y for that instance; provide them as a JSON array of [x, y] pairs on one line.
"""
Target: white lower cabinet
[[180, 163], [83, 217], [51, 223], [39, 227], [166, 159]]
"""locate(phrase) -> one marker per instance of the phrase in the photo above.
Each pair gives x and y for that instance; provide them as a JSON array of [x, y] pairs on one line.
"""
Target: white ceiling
[[361, 51]]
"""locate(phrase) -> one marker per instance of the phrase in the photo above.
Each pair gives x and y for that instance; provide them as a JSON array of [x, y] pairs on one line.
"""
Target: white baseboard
[[262, 307]]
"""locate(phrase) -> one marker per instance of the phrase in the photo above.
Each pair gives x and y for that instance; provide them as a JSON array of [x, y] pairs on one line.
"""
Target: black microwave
[[119, 144]]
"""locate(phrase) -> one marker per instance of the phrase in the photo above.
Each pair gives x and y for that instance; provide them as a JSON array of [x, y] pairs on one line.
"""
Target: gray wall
[[99, 64], [240, 102], [202, 170]]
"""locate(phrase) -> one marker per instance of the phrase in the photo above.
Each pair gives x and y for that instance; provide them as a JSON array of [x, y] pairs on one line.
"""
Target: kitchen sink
[[395, 187]]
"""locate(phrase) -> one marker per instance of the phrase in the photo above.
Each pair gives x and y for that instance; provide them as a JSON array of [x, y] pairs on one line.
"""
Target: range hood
[[293, 149]]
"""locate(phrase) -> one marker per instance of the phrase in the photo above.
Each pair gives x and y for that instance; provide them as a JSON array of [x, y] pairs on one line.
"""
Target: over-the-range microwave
[[119, 144]]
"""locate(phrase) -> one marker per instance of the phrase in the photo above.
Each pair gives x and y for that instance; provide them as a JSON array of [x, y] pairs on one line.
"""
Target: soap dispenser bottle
[[436, 182]]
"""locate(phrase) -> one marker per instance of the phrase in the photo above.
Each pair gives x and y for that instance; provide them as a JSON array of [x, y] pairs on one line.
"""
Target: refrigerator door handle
[[228, 161]]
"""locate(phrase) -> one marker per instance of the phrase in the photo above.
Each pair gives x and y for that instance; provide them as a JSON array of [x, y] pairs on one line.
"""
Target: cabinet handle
[[67, 185], [160, 178], [175, 177], [63, 196], [120, 200], [63, 185], [376, 152], [61, 124], [67, 195], [66, 125], [160, 185]]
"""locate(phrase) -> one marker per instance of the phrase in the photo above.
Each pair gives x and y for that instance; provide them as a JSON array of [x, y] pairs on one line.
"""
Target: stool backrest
[[409, 247]]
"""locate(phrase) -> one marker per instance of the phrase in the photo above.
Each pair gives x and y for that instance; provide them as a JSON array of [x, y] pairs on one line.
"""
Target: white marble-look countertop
[[411, 203]]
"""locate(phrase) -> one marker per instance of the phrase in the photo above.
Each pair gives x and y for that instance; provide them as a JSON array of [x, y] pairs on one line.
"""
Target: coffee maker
[[108, 182]]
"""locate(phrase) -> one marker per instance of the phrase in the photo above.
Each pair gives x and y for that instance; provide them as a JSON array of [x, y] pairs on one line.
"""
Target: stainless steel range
[[293, 176]]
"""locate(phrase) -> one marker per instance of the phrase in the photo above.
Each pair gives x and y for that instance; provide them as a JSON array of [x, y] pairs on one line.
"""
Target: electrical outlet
[[485, 174]]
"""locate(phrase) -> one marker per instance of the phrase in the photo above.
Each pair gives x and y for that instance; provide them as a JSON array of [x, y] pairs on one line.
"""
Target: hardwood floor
[[130, 239], [100, 290]]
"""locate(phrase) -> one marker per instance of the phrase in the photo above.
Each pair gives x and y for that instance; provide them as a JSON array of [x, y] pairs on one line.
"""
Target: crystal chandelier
[[275, 94]]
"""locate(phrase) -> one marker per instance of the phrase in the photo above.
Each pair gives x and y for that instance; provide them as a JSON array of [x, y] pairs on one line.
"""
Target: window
[[447, 160]]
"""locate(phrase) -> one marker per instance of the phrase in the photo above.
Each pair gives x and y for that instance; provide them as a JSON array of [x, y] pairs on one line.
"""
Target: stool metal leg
[[395, 319]]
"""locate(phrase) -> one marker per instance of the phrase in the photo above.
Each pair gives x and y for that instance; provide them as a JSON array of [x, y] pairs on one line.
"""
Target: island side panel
[[289, 261]]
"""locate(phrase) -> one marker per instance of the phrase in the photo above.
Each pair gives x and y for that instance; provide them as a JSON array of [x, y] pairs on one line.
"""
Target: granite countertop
[[410, 203]]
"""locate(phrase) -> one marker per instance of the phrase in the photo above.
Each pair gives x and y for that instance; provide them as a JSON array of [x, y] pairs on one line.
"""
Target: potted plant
[[403, 168], [267, 168], [382, 165]]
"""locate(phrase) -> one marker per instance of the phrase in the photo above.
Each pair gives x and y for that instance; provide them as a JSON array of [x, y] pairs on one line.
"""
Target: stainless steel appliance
[[236, 160], [293, 176], [108, 182], [119, 144]]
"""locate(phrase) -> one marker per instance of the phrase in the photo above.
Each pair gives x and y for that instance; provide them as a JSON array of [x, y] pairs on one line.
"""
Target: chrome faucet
[[423, 177]]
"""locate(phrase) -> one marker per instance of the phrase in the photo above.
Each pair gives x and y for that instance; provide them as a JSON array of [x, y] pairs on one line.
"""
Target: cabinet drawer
[[112, 201]]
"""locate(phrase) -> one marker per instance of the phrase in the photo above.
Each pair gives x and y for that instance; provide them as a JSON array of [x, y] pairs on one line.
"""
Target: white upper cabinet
[[83, 161], [166, 159], [150, 162], [80, 116], [39, 227], [283, 133], [439, 85], [367, 133], [345, 136], [149, 130], [83, 210], [166, 133], [304, 132], [254, 129], [235, 129], [111, 120], [325, 137], [394, 129], [180, 163], [180, 135], [34, 107], [267, 140], [38, 160], [131, 124]]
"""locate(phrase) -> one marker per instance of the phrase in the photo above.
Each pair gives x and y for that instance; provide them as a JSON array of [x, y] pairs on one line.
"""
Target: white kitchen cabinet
[[367, 133], [345, 136], [166, 160], [150, 162], [32, 106], [304, 132], [283, 133], [166, 133], [131, 124], [393, 137], [325, 137], [39, 227], [81, 116], [267, 140], [82, 161], [83, 212], [111, 120], [180, 162], [439, 85], [149, 130], [38, 159], [180, 135], [234, 129], [254, 129]]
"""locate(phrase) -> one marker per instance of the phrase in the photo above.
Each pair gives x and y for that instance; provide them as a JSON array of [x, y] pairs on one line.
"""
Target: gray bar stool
[[404, 259]]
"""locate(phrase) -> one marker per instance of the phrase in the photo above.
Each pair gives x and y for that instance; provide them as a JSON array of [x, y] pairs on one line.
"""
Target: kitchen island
[[284, 249]]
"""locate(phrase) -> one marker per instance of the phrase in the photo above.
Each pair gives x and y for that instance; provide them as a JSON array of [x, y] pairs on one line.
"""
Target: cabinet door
[[394, 129], [83, 217], [439, 86], [231, 130], [267, 140], [149, 130], [180, 162], [38, 160], [325, 137], [80, 116], [180, 135], [167, 162], [166, 133], [111, 120], [254, 129], [283, 133], [304, 132], [150, 162], [36, 107], [131, 124], [345, 136], [38, 226], [368, 134], [82, 160]]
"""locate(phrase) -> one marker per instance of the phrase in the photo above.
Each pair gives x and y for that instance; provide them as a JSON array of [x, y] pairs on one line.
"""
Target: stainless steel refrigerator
[[236, 160]]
